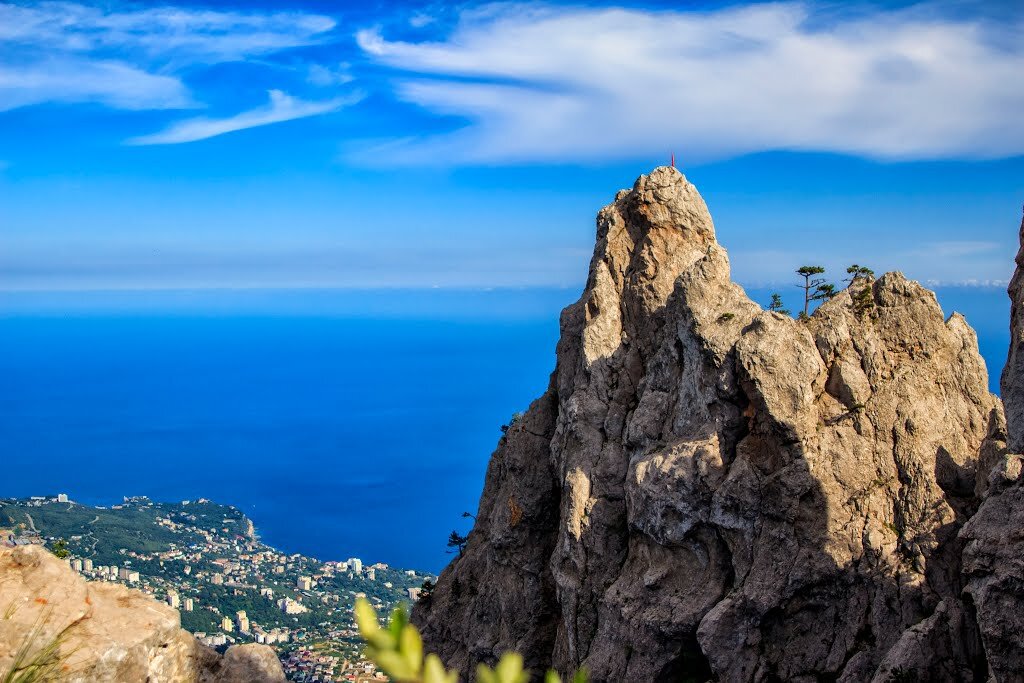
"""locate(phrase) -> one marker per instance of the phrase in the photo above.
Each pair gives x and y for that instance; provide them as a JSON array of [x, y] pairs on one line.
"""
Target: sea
[[345, 423]]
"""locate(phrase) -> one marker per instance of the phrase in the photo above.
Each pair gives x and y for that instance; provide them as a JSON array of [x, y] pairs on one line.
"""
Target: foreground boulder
[[710, 490], [107, 632]]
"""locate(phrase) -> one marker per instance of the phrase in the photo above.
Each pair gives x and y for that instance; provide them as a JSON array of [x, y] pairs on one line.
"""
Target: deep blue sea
[[344, 423]]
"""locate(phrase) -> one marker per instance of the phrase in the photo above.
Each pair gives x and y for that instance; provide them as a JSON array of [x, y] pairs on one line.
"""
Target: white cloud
[[421, 19], [72, 80], [555, 84], [131, 59], [281, 107], [935, 263], [325, 76], [957, 248]]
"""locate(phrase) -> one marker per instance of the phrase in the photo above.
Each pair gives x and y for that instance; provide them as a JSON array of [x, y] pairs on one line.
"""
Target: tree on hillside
[[815, 288], [457, 541], [776, 304], [824, 292], [863, 301], [60, 548], [426, 591], [858, 272]]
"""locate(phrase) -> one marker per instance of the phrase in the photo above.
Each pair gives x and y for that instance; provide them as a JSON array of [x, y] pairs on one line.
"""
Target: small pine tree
[[457, 541], [815, 288], [863, 301], [824, 292], [776, 304], [425, 593], [858, 272]]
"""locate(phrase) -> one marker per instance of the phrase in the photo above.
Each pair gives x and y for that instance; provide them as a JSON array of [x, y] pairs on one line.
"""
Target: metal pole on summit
[[673, 159]]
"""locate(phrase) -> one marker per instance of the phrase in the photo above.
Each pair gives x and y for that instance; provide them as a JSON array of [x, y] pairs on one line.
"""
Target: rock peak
[[710, 489]]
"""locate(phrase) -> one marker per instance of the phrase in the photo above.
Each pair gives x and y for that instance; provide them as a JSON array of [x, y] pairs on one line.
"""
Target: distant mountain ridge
[[708, 490]]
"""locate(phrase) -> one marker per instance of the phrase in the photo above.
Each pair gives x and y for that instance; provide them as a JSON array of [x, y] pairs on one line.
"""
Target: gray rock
[[993, 561], [711, 490]]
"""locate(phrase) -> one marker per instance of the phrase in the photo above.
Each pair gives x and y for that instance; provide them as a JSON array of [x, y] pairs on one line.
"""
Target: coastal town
[[206, 561]]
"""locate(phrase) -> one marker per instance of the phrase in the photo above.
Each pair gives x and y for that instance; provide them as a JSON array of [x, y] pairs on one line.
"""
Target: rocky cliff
[[106, 632], [708, 490], [994, 557]]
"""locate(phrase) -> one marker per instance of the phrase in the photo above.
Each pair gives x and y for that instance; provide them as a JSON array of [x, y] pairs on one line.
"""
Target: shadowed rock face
[[994, 557], [710, 490], [109, 633]]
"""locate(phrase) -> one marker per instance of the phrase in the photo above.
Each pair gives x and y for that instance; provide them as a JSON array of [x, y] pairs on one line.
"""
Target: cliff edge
[[107, 632], [708, 490]]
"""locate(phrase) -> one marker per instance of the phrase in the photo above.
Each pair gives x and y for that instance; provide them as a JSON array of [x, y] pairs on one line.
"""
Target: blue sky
[[320, 144]]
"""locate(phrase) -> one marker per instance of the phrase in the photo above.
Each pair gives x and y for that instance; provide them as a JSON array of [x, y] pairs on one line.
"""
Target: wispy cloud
[[957, 248], [948, 262], [548, 83], [281, 107], [112, 83], [325, 76], [131, 59]]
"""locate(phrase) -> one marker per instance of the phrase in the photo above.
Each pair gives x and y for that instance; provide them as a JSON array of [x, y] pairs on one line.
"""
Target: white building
[[126, 574], [304, 583], [87, 565], [289, 606], [355, 564], [62, 497], [189, 604], [173, 599], [76, 564]]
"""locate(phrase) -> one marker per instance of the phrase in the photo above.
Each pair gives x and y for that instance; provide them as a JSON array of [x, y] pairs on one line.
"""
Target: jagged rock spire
[[710, 489]]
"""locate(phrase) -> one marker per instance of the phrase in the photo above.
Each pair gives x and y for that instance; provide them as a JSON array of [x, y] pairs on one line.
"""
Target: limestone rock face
[[1012, 381], [711, 490], [109, 632], [994, 556]]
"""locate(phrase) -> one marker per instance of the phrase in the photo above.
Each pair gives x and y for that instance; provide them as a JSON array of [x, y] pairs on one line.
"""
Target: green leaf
[[394, 665], [398, 621], [510, 669], [411, 646], [369, 627], [552, 677], [484, 674], [366, 618], [433, 671], [581, 676]]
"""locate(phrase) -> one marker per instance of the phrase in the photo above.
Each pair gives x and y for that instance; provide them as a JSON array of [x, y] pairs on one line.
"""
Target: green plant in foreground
[[38, 661], [398, 651], [60, 548]]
